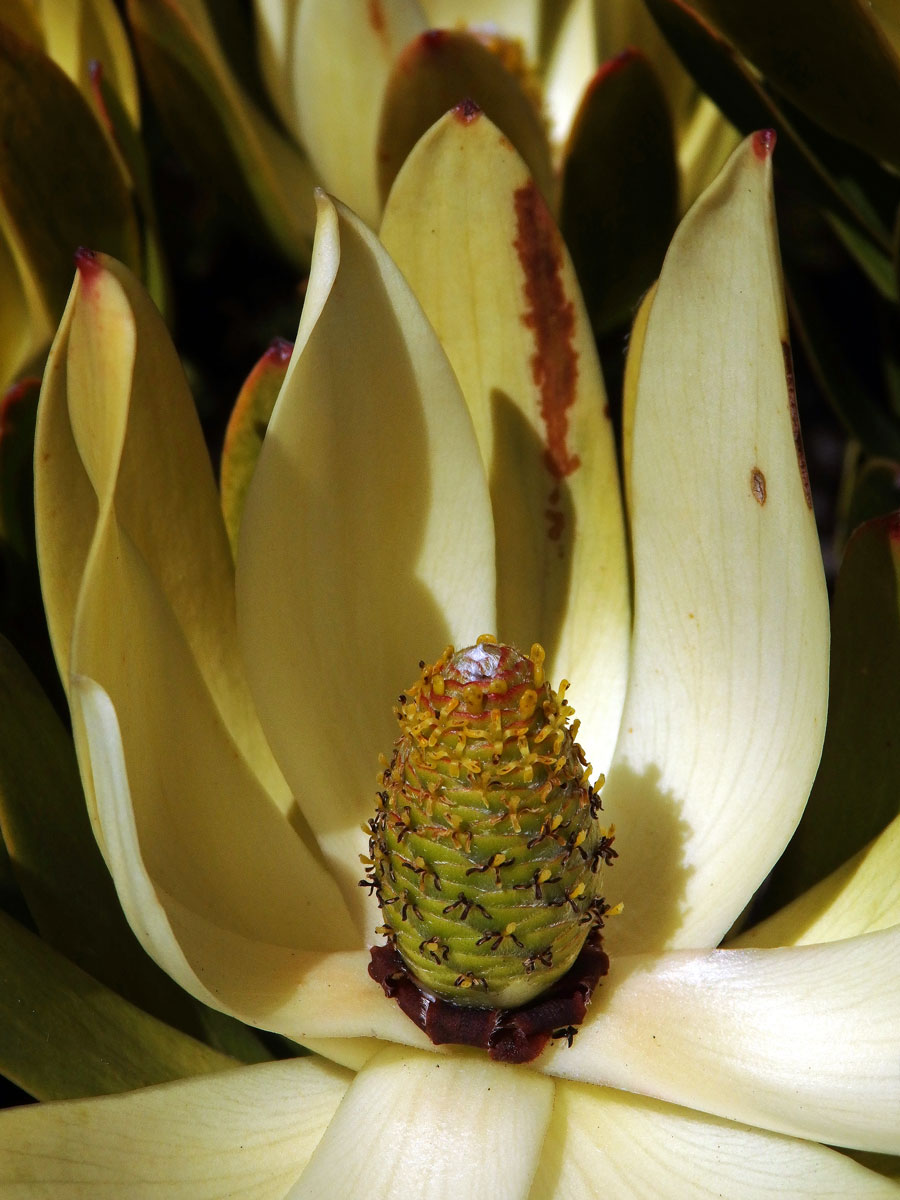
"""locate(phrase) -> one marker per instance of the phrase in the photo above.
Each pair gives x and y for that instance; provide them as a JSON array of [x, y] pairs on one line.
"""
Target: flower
[[386, 518]]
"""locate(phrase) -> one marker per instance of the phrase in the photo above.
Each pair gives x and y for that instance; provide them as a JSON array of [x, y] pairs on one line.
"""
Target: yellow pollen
[[474, 697], [437, 685], [486, 637], [527, 703]]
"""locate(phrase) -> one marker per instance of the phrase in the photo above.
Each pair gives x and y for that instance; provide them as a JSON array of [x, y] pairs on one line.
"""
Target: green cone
[[486, 849]]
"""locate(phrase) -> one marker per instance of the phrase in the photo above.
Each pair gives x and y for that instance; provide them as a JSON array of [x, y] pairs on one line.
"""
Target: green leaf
[[126, 138], [619, 188], [857, 788], [59, 868], [60, 186], [878, 266], [246, 429], [829, 57], [875, 492], [217, 127], [846, 353], [66, 1035], [18, 410], [837, 176]]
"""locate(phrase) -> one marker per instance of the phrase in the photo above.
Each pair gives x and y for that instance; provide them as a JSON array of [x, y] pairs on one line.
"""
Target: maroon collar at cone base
[[509, 1035]]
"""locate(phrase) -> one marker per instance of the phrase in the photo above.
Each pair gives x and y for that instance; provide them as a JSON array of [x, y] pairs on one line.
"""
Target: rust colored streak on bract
[[466, 112], [551, 318], [555, 523], [892, 522], [763, 143], [795, 421]]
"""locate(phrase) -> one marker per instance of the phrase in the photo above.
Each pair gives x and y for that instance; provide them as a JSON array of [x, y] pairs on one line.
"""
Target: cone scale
[[486, 851]]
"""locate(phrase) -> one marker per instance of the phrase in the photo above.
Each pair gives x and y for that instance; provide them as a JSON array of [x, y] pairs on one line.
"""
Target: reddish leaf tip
[[434, 39], [892, 526], [279, 351], [467, 111], [13, 398], [764, 143], [86, 263], [623, 59]]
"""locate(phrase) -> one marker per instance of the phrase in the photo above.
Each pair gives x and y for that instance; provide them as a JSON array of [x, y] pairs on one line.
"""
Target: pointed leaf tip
[[764, 143], [467, 111], [435, 40], [86, 261], [622, 59], [279, 351]]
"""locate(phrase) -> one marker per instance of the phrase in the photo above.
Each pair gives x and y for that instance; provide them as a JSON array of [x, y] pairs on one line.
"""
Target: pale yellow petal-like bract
[[725, 713], [367, 541]]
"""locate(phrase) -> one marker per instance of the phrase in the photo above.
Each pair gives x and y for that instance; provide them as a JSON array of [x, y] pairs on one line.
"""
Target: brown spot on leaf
[[758, 485], [555, 523], [377, 18], [550, 315], [466, 112], [795, 421]]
